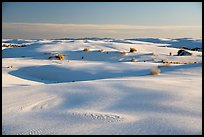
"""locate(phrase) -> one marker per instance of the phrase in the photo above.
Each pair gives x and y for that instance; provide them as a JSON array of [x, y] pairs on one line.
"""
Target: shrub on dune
[[101, 50], [86, 49], [10, 67], [164, 61], [155, 71], [176, 62], [133, 50], [59, 56], [191, 62]]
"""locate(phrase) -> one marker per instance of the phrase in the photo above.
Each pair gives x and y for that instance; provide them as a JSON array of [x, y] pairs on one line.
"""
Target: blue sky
[[104, 19]]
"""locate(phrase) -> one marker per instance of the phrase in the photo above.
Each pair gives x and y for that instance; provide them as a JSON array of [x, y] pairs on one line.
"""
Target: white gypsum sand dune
[[100, 92]]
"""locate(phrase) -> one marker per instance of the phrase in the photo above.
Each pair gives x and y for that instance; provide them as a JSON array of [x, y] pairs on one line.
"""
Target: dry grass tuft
[[133, 50], [10, 67], [59, 56], [176, 62], [164, 61], [155, 71], [101, 50], [86, 49]]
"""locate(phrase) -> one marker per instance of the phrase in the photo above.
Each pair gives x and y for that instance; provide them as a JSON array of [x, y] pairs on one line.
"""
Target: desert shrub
[[133, 50], [164, 61], [4, 45], [190, 62], [176, 62], [170, 53], [133, 59], [10, 67], [59, 56], [155, 71], [86, 49], [101, 50]]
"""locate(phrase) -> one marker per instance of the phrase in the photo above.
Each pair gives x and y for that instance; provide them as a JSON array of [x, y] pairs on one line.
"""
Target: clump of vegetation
[[170, 62], [13, 45], [59, 56], [191, 62], [133, 59], [50, 57], [170, 53], [155, 71], [10, 67], [175, 62], [164, 61], [101, 50], [133, 50], [86, 49]]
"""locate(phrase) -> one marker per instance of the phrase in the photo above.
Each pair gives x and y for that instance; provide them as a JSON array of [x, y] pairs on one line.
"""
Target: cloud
[[83, 30], [92, 26]]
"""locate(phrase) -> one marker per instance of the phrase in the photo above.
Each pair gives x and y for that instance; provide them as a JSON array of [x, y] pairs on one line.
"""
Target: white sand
[[103, 93]]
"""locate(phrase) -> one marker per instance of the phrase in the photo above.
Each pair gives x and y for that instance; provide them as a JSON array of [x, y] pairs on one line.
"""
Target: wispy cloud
[[81, 30], [92, 26]]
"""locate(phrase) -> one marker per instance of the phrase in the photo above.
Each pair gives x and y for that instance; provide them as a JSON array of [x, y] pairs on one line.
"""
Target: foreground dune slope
[[101, 93]]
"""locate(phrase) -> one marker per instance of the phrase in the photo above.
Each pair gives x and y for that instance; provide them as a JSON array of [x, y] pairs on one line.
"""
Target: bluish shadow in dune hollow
[[53, 74]]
